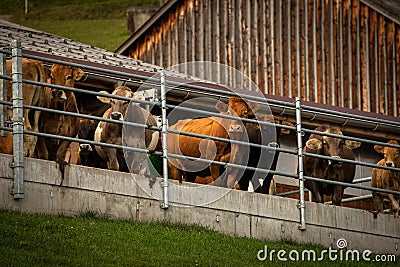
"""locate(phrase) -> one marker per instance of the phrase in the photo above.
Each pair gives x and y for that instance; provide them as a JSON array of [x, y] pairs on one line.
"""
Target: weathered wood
[[333, 52]]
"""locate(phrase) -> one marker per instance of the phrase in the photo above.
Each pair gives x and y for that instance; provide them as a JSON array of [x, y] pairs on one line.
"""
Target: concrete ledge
[[123, 196]]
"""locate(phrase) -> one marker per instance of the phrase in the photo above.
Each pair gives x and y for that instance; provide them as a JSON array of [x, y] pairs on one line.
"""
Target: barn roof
[[47, 45], [388, 8], [50, 44]]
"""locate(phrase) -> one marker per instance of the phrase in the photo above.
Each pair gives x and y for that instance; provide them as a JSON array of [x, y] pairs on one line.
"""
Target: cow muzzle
[[58, 95], [390, 164], [235, 128], [85, 148], [335, 163], [116, 115]]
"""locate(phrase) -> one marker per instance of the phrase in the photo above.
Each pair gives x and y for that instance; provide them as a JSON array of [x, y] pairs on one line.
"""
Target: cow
[[53, 123], [32, 95], [6, 143], [387, 179], [113, 133], [88, 155], [207, 149], [336, 148], [262, 159]]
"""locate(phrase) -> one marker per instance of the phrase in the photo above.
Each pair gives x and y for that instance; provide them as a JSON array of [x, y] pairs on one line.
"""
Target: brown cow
[[387, 179], [32, 95], [113, 133], [328, 169], [58, 124], [206, 149]]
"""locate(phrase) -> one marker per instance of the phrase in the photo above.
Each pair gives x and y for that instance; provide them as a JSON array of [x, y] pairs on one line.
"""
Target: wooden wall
[[340, 53]]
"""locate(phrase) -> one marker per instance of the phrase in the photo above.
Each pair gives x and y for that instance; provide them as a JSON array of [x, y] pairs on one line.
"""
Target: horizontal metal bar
[[7, 103], [232, 141], [351, 199], [291, 192], [84, 141], [352, 185], [350, 161], [233, 165], [83, 91], [5, 77], [81, 115], [4, 51], [362, 180], [347, 115], [362, 140]]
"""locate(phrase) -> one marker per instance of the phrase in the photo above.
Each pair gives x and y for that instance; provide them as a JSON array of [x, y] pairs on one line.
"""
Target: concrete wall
[[123, 196]]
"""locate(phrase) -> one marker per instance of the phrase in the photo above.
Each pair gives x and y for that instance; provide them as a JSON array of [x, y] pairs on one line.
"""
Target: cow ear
[[104, 99], [78, 74], [314, 144], [221, 106], [352, 144], [379, 148], [138, 96]]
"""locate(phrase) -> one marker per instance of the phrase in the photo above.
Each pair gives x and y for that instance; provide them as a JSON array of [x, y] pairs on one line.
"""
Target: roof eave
[[124, 48]]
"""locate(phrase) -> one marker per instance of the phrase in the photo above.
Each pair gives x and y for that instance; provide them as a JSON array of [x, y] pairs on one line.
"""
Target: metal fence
[[162, 83]]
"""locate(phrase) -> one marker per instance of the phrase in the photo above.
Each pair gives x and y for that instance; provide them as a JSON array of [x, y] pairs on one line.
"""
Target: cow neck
[[324, 161], [394, 175]]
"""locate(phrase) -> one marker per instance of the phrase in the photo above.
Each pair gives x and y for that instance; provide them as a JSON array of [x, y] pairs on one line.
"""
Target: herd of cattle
[[182, 168]]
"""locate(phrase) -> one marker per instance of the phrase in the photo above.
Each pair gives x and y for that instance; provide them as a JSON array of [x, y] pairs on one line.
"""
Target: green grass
[[92, 240], [104, 33], [98, 23]]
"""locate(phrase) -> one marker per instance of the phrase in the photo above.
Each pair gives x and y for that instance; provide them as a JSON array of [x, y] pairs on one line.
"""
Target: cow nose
[[58, 95], [389, 164], [85, 147], [116, 115], [235, 128], [336, 163]]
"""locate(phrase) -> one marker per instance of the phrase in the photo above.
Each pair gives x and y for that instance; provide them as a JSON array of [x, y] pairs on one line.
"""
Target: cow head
[[331, 146], [391, 154], [63, 75], [236, 107], [118, 106]]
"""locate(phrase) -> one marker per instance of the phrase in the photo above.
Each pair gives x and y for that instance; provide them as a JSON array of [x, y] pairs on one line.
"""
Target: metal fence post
[[301, 204], [3, 94], [164, 183], [17, 121]]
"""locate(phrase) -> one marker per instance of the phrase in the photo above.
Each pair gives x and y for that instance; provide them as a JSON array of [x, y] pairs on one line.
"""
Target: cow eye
[[112, 101]]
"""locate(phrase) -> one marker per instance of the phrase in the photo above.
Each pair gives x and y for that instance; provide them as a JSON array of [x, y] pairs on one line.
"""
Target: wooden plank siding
[[341, 53]]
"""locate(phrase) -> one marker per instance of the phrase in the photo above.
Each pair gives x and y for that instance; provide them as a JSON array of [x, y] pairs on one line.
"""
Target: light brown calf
[[58, 124], [33, 95], [387, 179]]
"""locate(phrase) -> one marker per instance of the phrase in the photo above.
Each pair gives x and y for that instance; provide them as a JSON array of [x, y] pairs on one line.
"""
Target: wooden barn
[[342, 53]]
